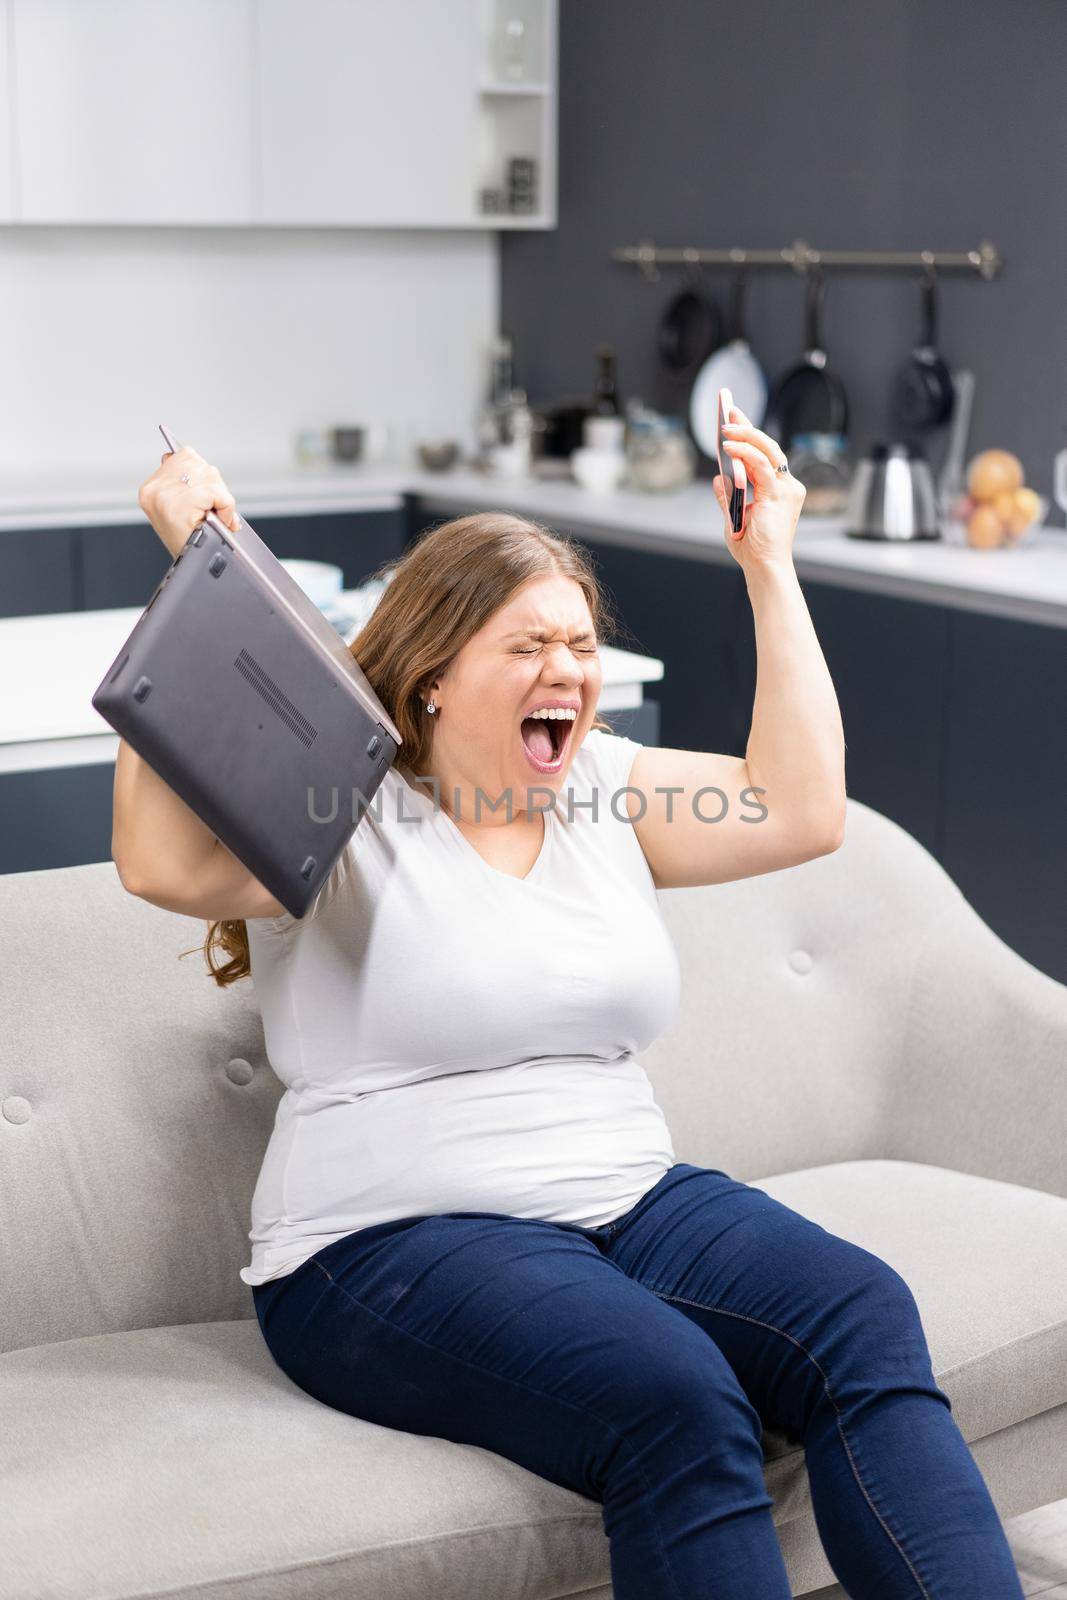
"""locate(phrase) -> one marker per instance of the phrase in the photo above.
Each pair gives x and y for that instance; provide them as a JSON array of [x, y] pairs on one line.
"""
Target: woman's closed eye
[[580, 650]]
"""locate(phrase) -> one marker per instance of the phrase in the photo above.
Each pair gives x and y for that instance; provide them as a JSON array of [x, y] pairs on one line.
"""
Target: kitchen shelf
[[517, 118]]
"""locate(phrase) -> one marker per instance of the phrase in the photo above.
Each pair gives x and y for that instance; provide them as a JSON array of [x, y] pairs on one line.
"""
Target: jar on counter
[[659, 452], [821, 463]]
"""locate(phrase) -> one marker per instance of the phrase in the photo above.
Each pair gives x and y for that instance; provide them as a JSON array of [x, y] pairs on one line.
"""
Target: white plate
[[733, 367], [321, 581]]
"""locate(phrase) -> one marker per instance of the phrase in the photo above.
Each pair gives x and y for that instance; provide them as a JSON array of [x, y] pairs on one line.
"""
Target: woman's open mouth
[[545, 741]]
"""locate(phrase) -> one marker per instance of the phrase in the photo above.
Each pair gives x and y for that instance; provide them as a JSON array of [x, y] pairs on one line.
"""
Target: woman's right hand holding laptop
[[163, 851], [175, 508]]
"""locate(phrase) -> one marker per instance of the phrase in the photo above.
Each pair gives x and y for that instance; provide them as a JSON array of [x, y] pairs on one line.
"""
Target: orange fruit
[[985, 531], [1004, 506], [994, 472], [1024, 510]]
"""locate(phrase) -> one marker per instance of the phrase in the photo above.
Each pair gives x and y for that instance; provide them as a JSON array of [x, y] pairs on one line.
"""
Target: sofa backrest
[[795, 992], [136, 1100], [135, 1104]]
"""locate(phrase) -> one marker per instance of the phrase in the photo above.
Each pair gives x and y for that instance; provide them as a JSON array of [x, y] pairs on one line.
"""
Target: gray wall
[[907, 124]]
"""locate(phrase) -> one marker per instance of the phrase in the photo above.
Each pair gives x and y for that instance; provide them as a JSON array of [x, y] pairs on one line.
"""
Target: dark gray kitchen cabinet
[[685, 614], [56, 816], [889, 661], [637, 722], [955, 722], [356, 541], [120, 564], [39, 571], [1005, 782]]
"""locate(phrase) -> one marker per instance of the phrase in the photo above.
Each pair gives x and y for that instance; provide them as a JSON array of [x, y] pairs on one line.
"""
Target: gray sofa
[[853, 1039]]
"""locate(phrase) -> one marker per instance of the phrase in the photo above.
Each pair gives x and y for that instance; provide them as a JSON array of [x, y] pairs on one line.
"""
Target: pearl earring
[[431, 708]]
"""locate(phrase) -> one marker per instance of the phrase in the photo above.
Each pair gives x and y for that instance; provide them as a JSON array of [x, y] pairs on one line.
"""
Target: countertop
[[1029, 583]]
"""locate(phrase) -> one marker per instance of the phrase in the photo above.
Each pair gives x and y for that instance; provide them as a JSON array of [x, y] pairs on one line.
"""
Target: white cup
[[379, 440], [598, 470], [510, 460], [604, 433]]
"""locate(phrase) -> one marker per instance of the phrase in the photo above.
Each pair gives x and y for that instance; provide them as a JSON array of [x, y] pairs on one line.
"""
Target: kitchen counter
[[1029, 584]]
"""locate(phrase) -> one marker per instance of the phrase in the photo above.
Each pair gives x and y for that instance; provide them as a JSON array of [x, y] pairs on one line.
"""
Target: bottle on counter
[[512, 454], [502, 379], [492, 424], [507, 425], [606, 402]]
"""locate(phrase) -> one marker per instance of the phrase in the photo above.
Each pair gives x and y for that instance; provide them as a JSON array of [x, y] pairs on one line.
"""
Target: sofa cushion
[[984, 1260], [182, 1457]]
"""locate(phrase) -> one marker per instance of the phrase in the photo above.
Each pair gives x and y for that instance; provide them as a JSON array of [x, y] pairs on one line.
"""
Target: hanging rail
[[801, 256]]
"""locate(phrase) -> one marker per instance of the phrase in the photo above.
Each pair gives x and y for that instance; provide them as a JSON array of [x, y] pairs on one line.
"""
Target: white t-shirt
[[454, 1038]]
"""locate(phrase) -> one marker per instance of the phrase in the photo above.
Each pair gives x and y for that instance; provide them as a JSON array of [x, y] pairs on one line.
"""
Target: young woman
[[470, 1221]]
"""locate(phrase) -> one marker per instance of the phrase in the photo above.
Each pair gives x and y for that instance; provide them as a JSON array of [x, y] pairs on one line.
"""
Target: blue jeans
[[637, 1364]]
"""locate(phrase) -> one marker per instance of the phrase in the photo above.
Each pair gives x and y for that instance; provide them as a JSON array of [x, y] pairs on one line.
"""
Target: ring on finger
[[783, 466]]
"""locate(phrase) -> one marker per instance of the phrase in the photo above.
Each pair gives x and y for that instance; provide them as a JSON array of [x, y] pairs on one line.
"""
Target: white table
[[50, 667]]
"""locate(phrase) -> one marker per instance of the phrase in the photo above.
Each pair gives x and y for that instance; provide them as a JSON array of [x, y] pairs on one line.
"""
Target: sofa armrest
[[981, 1083]]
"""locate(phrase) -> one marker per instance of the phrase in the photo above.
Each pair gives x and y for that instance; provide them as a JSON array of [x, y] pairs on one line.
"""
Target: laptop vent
[[280, 703]]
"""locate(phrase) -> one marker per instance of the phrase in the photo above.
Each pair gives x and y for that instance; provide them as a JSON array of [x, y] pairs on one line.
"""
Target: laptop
[[248, 703]]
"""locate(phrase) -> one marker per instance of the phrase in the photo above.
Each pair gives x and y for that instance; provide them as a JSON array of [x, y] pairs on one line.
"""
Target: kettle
[[892, 496]]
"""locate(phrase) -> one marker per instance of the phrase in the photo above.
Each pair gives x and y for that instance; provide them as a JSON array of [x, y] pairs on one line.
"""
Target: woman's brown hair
[[437, 596]]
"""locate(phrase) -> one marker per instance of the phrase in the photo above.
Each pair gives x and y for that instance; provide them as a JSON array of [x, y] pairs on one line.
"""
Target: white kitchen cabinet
[[7, 112], [352, 113], [133, 111], [368, 113], [394, 115]]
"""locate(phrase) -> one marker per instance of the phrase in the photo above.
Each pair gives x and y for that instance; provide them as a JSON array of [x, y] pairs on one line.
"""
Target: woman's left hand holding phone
[[771, 516]]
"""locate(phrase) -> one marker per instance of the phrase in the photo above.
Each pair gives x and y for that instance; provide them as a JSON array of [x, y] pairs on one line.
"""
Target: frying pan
[[809, 397], [924, 393], [689, 330]]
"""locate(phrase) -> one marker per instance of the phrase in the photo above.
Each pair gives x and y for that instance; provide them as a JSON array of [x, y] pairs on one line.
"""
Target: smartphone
[[732, 471]]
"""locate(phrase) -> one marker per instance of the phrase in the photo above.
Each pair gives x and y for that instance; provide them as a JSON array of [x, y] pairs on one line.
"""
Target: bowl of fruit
[[997, 511]]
